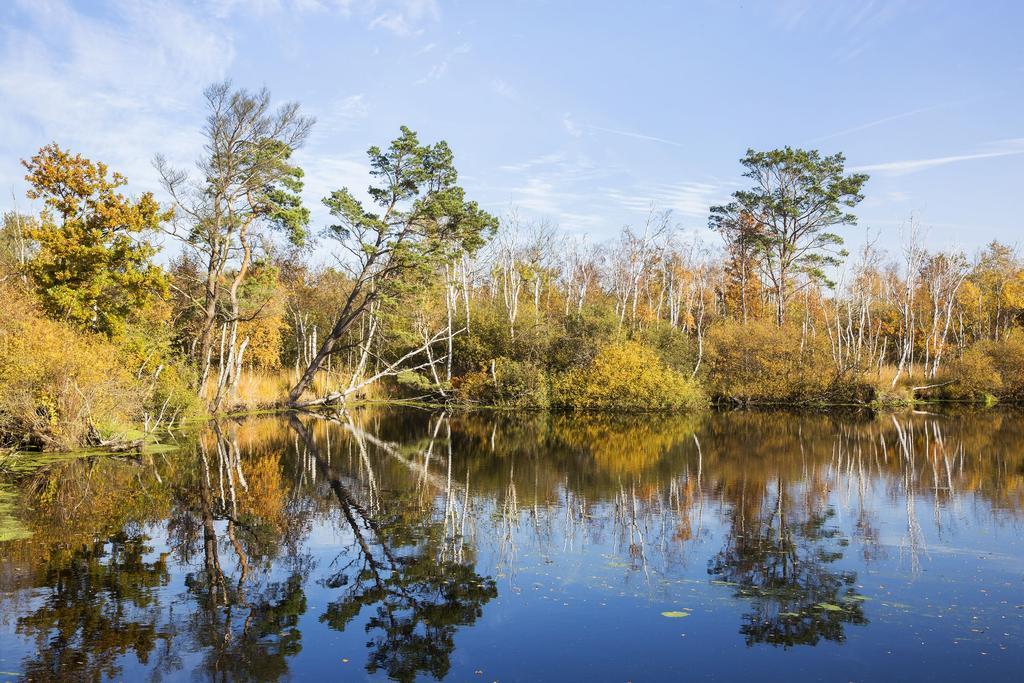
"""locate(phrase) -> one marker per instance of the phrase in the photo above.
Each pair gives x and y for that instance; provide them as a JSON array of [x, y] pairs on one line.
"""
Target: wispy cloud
[[576, 130], [503, 89], [570, 126], [1001, 148], [326, 173], [408, 18], [542, 160], [404, 18], [543, 197], [439, 69], [631, 134], [852, 28], [881, 121], [117, 90], [849, 18], [689, 199], [225, 8], [342, 115]]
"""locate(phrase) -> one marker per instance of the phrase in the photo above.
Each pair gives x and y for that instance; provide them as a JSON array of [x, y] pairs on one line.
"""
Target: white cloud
[[852, 28], [225, 8], [541, 195], [576, 130], [403, 18], [543, 160], [326, 173]]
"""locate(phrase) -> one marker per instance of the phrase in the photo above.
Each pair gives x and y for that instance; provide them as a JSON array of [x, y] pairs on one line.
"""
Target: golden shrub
[[975, 375], [991, 367], [56, 381], [626, 376], [761, 362]]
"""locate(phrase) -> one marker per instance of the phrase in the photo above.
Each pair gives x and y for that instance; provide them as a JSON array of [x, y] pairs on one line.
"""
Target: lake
[[410, 544]]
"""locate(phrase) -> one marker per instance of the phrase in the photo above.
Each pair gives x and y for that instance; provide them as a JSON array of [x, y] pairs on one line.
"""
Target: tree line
[[421, 293]]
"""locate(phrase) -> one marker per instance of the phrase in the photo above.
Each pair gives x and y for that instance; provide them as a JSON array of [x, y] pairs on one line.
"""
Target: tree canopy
[[423, 219], [797, 197], [92, 265]]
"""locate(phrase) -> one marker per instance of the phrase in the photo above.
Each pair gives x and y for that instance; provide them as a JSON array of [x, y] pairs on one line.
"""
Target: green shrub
[[676, 349], [581, 336], [58, 382], [513, 384], [170, 385], [412, 384]]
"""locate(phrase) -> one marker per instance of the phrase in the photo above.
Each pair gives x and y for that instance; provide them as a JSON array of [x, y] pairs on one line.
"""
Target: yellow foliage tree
[[91, 268]]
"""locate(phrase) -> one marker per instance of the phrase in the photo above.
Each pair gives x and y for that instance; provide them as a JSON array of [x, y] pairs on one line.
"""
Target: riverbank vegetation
[[414, 291]]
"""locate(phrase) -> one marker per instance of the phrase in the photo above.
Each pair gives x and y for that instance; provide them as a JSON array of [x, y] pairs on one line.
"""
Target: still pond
[[408, 545]]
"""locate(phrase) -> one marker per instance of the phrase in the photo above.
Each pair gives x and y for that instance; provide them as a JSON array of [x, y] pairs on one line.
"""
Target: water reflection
[[404, 569], [400, 541]]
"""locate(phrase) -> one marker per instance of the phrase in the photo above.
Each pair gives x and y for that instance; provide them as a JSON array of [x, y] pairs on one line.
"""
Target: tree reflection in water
[[101, 604], [419, 597], [781, 563], [203, 562], [246, 630]]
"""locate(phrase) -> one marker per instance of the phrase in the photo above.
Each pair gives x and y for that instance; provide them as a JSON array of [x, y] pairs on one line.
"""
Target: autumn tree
[[797, 198], [422, 220], [15, 246], [91, 265], [999, 281], [743, 239], [249, 187]]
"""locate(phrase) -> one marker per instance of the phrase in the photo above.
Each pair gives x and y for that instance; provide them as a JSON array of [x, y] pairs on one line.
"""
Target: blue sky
[[585, 113]]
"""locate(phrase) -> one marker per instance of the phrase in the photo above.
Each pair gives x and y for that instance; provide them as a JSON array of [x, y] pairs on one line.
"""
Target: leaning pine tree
[[423, 220]]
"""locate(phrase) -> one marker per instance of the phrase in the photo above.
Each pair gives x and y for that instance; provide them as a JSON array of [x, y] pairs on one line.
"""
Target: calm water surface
[[416, 545]]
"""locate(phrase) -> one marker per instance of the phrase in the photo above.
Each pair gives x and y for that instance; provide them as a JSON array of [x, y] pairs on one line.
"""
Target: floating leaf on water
[[829, 607], [675, 614]]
